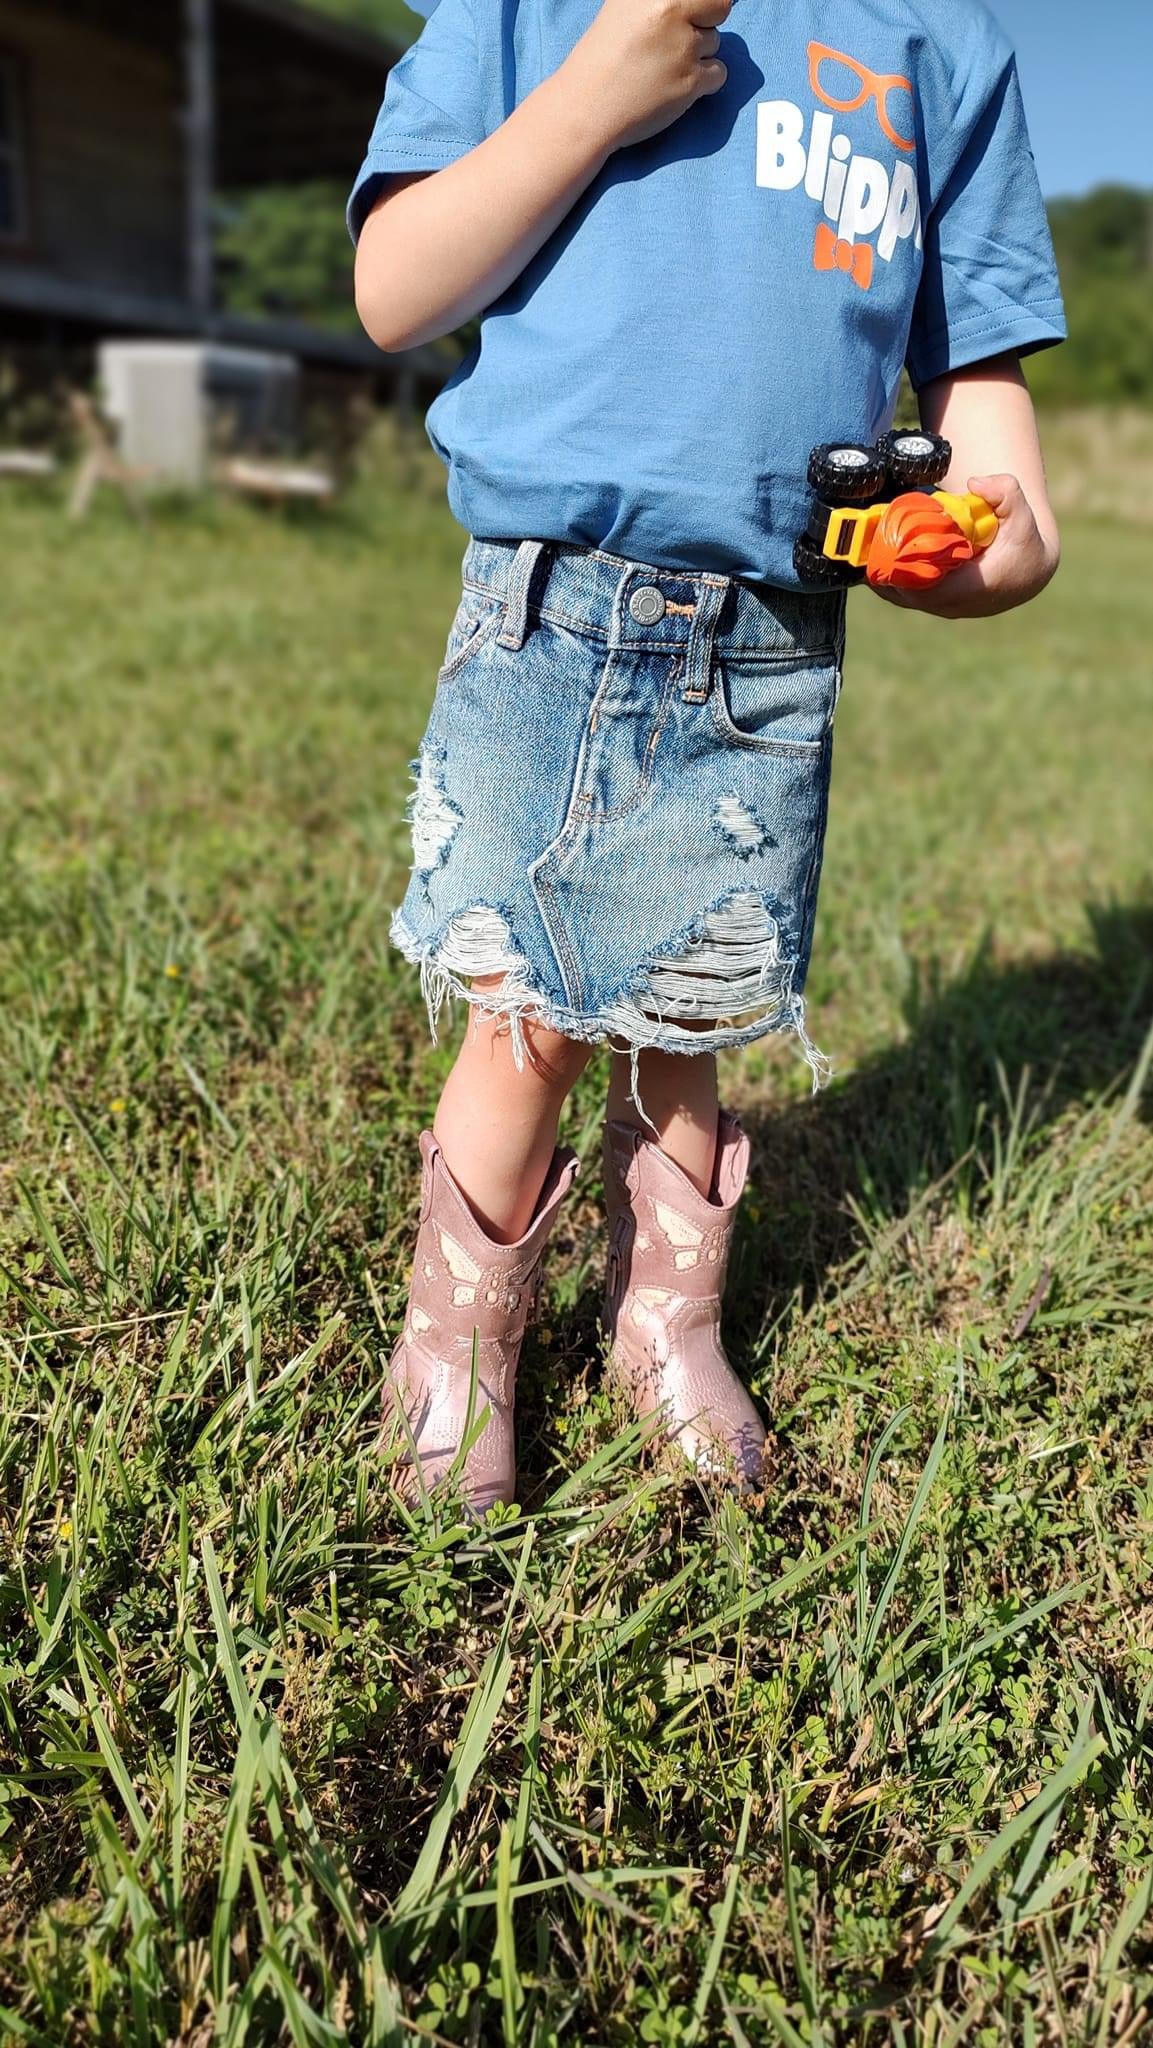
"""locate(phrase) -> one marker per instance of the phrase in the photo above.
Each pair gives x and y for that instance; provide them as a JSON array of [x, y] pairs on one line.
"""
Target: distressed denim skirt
[[618, 810]]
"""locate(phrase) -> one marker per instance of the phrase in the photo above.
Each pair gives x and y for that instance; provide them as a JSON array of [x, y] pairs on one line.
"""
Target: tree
[[286, 251]]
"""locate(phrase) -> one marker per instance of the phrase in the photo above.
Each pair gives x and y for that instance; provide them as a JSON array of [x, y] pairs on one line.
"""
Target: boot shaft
[[463, 1281], [469, 1302], [668, 1257], [664, 1234]]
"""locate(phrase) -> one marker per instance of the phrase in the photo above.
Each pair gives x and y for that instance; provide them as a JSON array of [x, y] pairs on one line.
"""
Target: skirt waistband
[[643, 606]]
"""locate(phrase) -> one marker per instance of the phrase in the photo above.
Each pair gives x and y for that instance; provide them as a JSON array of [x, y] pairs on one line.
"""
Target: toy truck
[[879, 517]]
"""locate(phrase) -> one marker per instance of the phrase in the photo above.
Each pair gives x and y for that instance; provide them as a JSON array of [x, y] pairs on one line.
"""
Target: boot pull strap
[[427, 1186]]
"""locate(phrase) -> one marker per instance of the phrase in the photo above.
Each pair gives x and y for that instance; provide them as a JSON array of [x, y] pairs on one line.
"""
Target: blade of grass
[[916, 1509], [487, 1700], [796, 1934], [1133, 1915], [504, 1947], [871, 1471], [721, 1925], [1080, 1760]]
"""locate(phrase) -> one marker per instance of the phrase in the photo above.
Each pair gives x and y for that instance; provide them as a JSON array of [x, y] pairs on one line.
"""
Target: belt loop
[[699, 652], [528, 554]]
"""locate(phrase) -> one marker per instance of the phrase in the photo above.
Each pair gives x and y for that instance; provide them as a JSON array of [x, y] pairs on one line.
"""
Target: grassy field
[[868, 1760]]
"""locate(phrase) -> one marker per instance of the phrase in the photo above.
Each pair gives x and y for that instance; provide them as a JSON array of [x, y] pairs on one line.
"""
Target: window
[[13, 179]]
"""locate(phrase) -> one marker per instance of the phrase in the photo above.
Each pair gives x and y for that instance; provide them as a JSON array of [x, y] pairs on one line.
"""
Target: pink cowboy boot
[[668, 1250], [464, 1283]]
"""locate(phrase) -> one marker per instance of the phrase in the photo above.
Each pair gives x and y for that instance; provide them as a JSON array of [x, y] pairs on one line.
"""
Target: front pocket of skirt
[[780, 706], [477, 616]]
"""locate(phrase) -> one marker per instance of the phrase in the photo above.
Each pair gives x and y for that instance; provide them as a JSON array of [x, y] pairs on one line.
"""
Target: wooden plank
[[277, 481], [27, 463]]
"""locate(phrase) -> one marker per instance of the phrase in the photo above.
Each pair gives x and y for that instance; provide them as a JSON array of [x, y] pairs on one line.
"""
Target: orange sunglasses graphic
[[844, 84]]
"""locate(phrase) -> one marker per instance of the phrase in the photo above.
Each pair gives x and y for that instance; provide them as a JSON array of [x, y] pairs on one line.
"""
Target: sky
[[1087, 75]]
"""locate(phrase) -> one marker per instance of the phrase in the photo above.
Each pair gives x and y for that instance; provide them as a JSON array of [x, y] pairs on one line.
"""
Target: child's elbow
[[1052, 542], [379, 313], [378, 280], [380, 328]]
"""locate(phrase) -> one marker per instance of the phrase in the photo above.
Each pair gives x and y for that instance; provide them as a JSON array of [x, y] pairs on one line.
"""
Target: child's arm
[[440, 246], [987, 414]]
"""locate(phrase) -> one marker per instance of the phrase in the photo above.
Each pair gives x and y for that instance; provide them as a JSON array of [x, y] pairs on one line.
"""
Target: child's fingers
[[1003, 493], [960, 588]]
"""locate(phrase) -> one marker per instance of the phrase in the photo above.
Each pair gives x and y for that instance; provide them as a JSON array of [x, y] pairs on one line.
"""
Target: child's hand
[[1015, 567], [644, 62]]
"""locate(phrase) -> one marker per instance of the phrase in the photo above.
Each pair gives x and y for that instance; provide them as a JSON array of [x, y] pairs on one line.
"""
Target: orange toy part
[[916, 543]]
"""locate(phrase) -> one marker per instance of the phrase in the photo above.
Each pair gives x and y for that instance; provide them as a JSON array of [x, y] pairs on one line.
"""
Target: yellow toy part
[[849, 534], [974, 515]]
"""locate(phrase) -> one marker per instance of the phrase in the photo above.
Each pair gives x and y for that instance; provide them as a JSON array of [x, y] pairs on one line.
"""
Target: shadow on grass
[[1071, 1023]]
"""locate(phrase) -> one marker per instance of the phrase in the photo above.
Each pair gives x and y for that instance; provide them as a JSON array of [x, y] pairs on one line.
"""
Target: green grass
[[867, 1761]]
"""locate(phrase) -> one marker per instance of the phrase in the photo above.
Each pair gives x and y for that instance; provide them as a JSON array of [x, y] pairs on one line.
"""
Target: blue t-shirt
[[859, 195]]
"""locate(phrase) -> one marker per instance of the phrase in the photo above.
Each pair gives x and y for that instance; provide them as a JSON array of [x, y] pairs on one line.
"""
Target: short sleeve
[[989, 281], [433, 108]]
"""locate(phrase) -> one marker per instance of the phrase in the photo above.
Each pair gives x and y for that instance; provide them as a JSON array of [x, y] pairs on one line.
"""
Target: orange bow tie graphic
[[854, 257]]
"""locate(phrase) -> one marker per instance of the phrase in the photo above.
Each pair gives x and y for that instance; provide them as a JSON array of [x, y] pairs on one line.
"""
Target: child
[[696, 255]]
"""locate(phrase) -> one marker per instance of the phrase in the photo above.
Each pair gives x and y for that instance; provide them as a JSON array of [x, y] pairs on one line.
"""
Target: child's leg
[[493, 1182], [672, 1202], [497, 1123], [679, 1093]]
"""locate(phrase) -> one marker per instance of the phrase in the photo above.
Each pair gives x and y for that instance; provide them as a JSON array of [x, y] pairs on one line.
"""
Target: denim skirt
[[618, 807]]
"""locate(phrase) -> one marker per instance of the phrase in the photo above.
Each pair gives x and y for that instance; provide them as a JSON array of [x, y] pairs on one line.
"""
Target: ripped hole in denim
[[434, 819], [739, 824]]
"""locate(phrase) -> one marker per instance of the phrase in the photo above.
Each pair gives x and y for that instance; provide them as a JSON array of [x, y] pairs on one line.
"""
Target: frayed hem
[[517, 1003]]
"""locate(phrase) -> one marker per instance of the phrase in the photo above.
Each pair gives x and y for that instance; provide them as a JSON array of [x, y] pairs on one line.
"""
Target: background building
[[121, 124]]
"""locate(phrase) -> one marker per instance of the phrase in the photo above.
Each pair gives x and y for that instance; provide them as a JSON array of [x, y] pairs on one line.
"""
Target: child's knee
[[548, 1055]]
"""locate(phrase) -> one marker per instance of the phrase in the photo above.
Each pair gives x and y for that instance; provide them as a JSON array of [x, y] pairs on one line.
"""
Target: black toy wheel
[[813, 566], [846, 472], [914, 461]]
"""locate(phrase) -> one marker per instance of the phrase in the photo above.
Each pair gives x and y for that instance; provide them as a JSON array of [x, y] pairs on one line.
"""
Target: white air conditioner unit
[[175, 402]]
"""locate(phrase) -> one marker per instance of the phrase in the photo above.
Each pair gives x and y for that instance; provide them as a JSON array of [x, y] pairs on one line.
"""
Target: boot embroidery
[[506, 1298], [645, 1299], [457, 1259], [690, 1244], [677, 1228]]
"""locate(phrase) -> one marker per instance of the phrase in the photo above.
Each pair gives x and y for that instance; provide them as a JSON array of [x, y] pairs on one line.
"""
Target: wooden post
[[200, 150]]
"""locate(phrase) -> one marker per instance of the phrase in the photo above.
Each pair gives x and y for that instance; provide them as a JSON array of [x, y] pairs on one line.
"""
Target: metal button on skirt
[[619, 805]]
